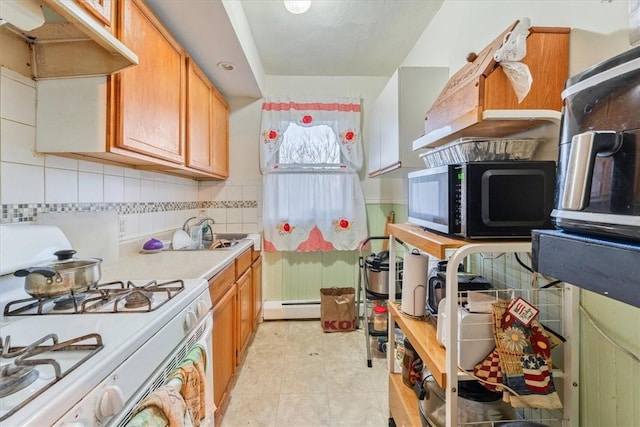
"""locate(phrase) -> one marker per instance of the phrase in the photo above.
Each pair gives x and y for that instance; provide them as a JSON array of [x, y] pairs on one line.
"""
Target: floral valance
[[310, 155], [342, 116]]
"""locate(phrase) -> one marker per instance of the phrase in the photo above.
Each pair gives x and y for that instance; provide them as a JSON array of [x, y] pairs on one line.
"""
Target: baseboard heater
[[282, 310]]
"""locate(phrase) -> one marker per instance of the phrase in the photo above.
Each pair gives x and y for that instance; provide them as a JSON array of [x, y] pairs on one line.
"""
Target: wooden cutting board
[[92, 234]]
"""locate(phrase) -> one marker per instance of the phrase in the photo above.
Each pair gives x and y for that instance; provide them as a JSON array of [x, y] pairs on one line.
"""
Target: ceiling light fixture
[[297, 6], [226, 66]]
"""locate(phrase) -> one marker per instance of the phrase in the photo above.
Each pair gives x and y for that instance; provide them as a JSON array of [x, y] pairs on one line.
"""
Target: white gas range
[[89, 362]]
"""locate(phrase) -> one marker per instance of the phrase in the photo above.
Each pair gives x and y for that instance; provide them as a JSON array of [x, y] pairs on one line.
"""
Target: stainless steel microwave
[[477, 200]]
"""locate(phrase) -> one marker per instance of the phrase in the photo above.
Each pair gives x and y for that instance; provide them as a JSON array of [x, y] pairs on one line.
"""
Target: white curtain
[[310, 155]]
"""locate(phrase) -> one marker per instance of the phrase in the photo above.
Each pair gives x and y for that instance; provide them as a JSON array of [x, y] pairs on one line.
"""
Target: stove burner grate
[[66, 302], [138, 298], [25, 358], [99, 296]]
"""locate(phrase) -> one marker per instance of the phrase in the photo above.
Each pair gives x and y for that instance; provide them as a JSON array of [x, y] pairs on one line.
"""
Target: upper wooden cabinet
[[220, 135], [148, 99], [99, 9], [480, 101], [162, 115], [207, 125], [199, 119]]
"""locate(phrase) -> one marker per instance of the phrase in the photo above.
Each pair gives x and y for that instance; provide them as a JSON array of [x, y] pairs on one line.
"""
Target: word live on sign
[[522, 310]]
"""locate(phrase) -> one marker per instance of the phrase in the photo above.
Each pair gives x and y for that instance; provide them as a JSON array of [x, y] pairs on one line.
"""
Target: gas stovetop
[[96, 344], [110, 297], [28, 371], [115, 331]]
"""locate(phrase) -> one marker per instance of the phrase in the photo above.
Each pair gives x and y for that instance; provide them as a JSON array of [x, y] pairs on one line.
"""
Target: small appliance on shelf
[[480, 200], [599, 164]]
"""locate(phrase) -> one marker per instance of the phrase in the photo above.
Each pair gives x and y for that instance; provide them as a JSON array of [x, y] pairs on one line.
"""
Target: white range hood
[[59, 38], [25, 15]]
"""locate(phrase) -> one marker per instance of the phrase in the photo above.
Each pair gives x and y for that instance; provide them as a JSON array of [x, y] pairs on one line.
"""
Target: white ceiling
[[333, 38]]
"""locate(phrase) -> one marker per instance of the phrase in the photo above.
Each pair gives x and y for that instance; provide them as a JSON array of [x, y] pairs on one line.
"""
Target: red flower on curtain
[[307, 119], [269, 136], [285, 228], [341, 224], [348, 138]]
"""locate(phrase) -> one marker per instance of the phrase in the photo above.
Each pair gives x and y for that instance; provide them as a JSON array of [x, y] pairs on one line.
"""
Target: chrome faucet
[[206, 219], [185, 226]]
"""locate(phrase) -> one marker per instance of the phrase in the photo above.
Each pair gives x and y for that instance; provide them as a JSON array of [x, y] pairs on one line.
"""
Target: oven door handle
[[208, 328]]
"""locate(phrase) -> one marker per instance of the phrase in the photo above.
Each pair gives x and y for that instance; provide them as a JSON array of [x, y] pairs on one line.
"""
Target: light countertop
[[169, 265]]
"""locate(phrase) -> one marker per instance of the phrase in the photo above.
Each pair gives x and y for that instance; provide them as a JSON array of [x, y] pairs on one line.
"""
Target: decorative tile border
[[29, 211]]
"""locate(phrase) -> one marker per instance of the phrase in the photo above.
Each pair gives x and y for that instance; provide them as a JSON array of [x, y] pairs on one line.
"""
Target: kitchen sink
[[229, 236], [227, 241]]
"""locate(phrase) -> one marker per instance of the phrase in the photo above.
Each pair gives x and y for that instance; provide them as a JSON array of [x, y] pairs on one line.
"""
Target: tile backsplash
[[147, 202]]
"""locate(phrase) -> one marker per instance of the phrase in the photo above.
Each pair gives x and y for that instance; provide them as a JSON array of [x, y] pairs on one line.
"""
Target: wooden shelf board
[[403, 403], [436, 244], [430, 242], [494, 124], [422, 334]]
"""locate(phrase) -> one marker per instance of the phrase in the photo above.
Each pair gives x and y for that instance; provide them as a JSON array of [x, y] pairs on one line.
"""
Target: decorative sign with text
[[522, 310]]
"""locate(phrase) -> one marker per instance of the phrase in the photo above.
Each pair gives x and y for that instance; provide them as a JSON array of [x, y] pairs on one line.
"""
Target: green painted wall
[[609, 378]]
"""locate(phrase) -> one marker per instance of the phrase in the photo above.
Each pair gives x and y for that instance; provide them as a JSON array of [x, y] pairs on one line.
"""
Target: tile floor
[[297, 376]]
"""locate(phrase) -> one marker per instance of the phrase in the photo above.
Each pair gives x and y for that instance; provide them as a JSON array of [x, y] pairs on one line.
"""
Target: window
[[314, 145], [310, 154]]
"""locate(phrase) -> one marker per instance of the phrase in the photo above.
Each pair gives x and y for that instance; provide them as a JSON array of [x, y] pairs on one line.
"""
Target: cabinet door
[[373, 138], [389, 144], [99, 9], [224, 348], [150, 96], [220, 135], [245, 311], [199, 119], [256, 276]]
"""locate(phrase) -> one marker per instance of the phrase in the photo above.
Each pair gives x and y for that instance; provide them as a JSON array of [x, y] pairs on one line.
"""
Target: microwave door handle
[[584, 149]]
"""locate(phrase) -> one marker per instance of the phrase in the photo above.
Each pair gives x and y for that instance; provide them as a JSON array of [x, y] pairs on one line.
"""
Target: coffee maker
[[598, 180]]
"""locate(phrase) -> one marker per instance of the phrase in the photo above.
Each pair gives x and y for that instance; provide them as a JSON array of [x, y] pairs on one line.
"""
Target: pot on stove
[[66, 276]]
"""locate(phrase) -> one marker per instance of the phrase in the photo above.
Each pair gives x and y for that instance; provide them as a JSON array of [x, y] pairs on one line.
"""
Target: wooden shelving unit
[[422, 335], [441, 362], [405, 408]]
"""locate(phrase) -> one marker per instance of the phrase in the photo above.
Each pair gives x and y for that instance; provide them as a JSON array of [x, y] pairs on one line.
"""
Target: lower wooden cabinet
[[233, 292], [256, 277], [224, 350], [245, 312]]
